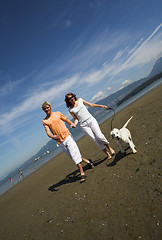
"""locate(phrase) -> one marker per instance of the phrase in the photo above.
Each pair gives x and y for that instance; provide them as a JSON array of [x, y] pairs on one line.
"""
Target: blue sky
[[48, 48]]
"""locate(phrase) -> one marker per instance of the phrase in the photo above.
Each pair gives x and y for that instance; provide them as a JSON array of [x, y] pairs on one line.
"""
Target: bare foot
[[91, 164], [109, 156], [112, 153], [82, 178]]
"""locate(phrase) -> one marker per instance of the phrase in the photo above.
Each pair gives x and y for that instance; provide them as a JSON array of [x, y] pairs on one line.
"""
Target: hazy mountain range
[[113, 99]]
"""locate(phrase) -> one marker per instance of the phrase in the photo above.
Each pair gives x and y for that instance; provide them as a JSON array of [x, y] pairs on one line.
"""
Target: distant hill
[[118, 97], [140, 88], [157, 68]]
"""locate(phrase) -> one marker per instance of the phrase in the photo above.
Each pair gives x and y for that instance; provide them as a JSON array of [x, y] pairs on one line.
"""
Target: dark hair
[[68, 104]]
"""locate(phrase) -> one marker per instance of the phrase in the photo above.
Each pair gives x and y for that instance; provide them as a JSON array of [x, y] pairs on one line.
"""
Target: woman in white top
[[88, 124]]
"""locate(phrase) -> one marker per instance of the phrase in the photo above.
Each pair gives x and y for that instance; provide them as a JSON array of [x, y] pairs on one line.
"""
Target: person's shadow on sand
[[119, 156], [66, 180], [73, 177]]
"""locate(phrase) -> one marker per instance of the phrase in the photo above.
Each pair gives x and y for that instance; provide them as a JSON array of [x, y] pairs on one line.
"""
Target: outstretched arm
[[88, 104], [72, 125], [65, 119], [75, 119]]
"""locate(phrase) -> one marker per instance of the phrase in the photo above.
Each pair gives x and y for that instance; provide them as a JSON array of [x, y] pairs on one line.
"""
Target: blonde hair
[[45, 104]]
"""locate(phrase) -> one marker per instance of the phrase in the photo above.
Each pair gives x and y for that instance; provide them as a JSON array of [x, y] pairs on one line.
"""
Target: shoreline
[[119, 200]]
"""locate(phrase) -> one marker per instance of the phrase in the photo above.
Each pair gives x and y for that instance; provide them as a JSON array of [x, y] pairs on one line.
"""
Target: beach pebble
[[103, 223], [67, 219], [50, 220]]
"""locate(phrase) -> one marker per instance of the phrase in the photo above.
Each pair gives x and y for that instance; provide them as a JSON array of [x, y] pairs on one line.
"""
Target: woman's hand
[[104, 106], [72, 125], [56, 137]]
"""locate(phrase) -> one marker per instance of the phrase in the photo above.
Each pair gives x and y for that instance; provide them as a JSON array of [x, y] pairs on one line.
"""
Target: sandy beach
[[120, 200]]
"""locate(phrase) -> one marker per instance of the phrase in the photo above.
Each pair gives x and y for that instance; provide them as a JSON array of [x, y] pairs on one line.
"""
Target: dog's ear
[[112, 135]]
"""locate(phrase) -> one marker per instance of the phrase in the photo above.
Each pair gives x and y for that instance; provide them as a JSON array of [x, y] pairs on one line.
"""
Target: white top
[[81, 112]]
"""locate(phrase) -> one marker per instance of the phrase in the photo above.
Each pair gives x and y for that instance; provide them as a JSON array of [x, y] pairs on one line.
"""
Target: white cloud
[[126, 82], [142, 53], [141, 47], [149, 50], [109, 88], [135, 47], [99, 96], [6, 89], [86, 58], [33, 102], [10, 85], [118, 55], [97, 76]]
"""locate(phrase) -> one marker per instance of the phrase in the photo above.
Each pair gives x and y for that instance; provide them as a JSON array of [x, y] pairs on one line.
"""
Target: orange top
[[57, 126]]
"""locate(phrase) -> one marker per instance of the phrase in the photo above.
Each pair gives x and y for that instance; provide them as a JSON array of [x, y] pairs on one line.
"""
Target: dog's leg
[[132, 146], [121, 146]]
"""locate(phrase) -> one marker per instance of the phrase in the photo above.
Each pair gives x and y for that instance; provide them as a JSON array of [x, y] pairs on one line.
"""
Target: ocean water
[[5, 184]]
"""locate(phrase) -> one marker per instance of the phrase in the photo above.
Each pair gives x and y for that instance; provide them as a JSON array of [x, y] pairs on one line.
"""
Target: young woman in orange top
[[57, 130]]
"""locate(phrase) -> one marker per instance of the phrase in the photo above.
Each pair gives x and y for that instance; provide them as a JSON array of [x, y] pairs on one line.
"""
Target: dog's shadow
[[73, 177], [119, 156]]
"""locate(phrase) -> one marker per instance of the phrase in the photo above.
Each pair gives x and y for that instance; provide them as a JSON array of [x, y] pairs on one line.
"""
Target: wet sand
[[120, 200]]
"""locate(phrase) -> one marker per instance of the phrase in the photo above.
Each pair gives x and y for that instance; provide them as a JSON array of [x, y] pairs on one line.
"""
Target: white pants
[[70, 147], [92, 129]]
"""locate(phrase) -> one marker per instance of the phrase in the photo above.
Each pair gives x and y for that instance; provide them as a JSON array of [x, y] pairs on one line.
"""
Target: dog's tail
[[127, 122]]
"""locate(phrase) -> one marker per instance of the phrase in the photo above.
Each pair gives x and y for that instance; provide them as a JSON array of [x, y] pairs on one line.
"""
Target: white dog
[[123, 135]]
